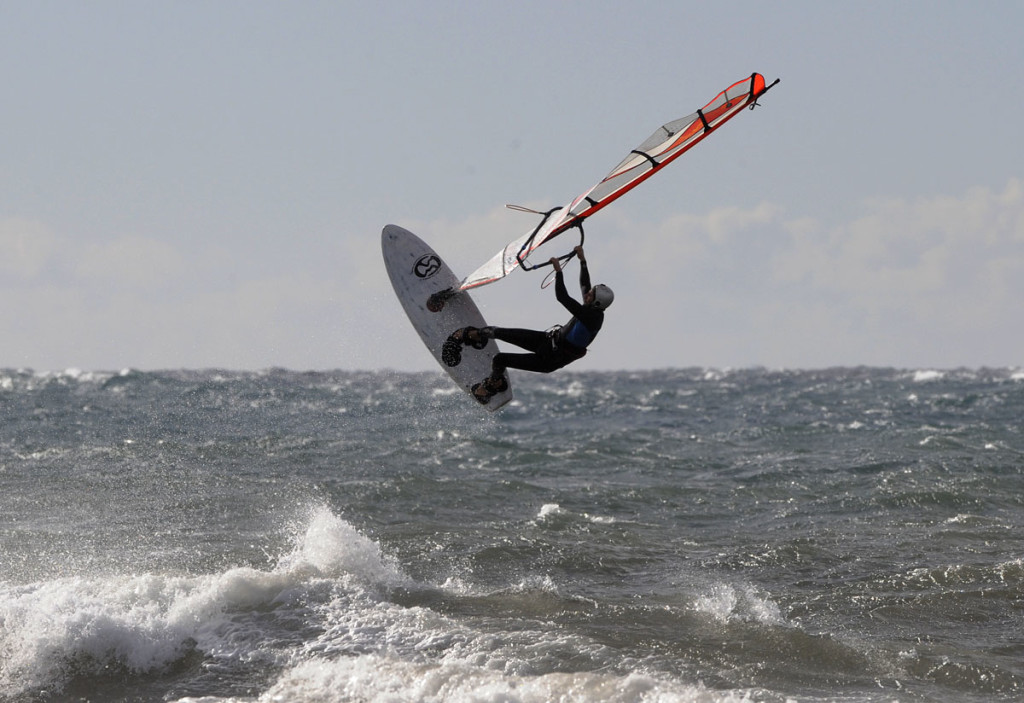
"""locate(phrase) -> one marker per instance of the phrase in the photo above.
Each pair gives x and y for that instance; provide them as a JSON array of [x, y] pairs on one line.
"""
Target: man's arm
[[561, 294], [584, 271]]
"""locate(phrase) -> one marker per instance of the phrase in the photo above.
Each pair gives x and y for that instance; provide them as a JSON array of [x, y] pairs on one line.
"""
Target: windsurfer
[[548, 351]]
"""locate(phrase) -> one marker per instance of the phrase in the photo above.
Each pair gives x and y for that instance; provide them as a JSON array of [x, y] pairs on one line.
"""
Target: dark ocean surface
[[685, 535]]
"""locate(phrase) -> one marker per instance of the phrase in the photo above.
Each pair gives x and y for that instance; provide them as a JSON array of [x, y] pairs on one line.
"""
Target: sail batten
[[667, 143]]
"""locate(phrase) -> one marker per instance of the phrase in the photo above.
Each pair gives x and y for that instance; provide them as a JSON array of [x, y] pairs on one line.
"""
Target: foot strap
[[451, 350], [474, 337], [495, 384], [481, 394]]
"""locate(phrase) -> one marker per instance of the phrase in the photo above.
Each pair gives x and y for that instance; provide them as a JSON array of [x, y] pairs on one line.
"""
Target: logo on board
[[426, 266]]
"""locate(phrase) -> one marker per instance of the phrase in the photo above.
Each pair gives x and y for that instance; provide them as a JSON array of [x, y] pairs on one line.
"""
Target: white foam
[[575, 389], [549, 509], [536, 583], [925, 375], [726, 603], [330, 547], [382, 679], [142, 623], [368, 648], [146, 622], [553, 511]]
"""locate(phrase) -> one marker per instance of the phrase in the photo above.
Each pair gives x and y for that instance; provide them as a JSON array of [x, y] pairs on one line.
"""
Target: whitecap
[[142, 623], [548, 510], [147, 622], [378, 679], [726, 603], [330, 547]]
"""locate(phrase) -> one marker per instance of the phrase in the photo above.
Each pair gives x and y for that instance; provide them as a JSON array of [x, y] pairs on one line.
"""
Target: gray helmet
[[603, 296]]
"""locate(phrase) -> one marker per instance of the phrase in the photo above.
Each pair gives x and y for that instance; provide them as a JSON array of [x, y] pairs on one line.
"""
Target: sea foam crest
[[146, 622], [376, 679], [140, 623], [548, 510], [725, 603], [330, 547], [553, 512]]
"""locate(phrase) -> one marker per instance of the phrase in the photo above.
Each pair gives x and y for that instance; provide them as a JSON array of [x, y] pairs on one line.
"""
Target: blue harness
[[579, 335]]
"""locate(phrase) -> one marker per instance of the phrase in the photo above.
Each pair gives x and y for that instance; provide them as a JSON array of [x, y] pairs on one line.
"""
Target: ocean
[[682, 535]]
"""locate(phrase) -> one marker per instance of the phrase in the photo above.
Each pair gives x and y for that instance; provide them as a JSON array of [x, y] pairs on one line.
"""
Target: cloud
[[933, 280], [135, 262], [283, 319], [26, 246], [906, 282], [468, 242], [938, 279], [28, 249], [961, 256]]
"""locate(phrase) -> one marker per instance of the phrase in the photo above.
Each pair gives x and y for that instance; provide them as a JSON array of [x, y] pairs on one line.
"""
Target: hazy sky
[[203, 184]]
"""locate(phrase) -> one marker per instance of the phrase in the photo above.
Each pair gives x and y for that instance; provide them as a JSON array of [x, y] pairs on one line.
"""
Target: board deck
[[417, 272]]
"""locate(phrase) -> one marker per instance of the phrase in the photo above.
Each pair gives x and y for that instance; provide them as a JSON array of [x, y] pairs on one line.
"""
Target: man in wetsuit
[[549, 350]]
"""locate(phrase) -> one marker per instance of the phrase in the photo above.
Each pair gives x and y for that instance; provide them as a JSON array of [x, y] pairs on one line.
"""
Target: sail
[[669, 142]]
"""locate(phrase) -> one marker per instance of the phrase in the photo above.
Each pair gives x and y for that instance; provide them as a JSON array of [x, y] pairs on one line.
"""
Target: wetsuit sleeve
[[562, 295], [584, 278]]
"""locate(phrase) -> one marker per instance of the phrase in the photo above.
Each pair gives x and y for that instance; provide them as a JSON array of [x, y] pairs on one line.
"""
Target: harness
[[560, 346]]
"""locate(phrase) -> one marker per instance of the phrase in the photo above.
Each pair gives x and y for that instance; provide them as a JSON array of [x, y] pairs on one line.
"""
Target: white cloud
[[927, 281], [279, 320], [937, 279], [136, 262], [468, 242], [25, 247], [937, 257], [932, 281]]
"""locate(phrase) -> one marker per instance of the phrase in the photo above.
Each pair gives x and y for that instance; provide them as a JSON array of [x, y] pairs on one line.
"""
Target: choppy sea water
[[690, 535]]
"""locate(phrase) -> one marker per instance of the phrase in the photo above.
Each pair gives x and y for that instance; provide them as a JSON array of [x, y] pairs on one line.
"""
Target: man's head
[[600, 297]]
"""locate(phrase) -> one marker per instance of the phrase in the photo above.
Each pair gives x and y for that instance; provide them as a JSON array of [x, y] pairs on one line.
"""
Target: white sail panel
[[508, 259], [666, 144]]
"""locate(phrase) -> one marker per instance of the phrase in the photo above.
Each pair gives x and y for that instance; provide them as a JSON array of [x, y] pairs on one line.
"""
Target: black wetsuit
[[555, 349]]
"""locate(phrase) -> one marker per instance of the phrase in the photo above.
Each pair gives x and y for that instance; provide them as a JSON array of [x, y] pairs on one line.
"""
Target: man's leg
[[530, 340], [538, 363]]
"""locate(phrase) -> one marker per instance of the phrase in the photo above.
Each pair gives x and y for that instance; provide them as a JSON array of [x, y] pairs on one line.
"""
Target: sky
[[203, 184]]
